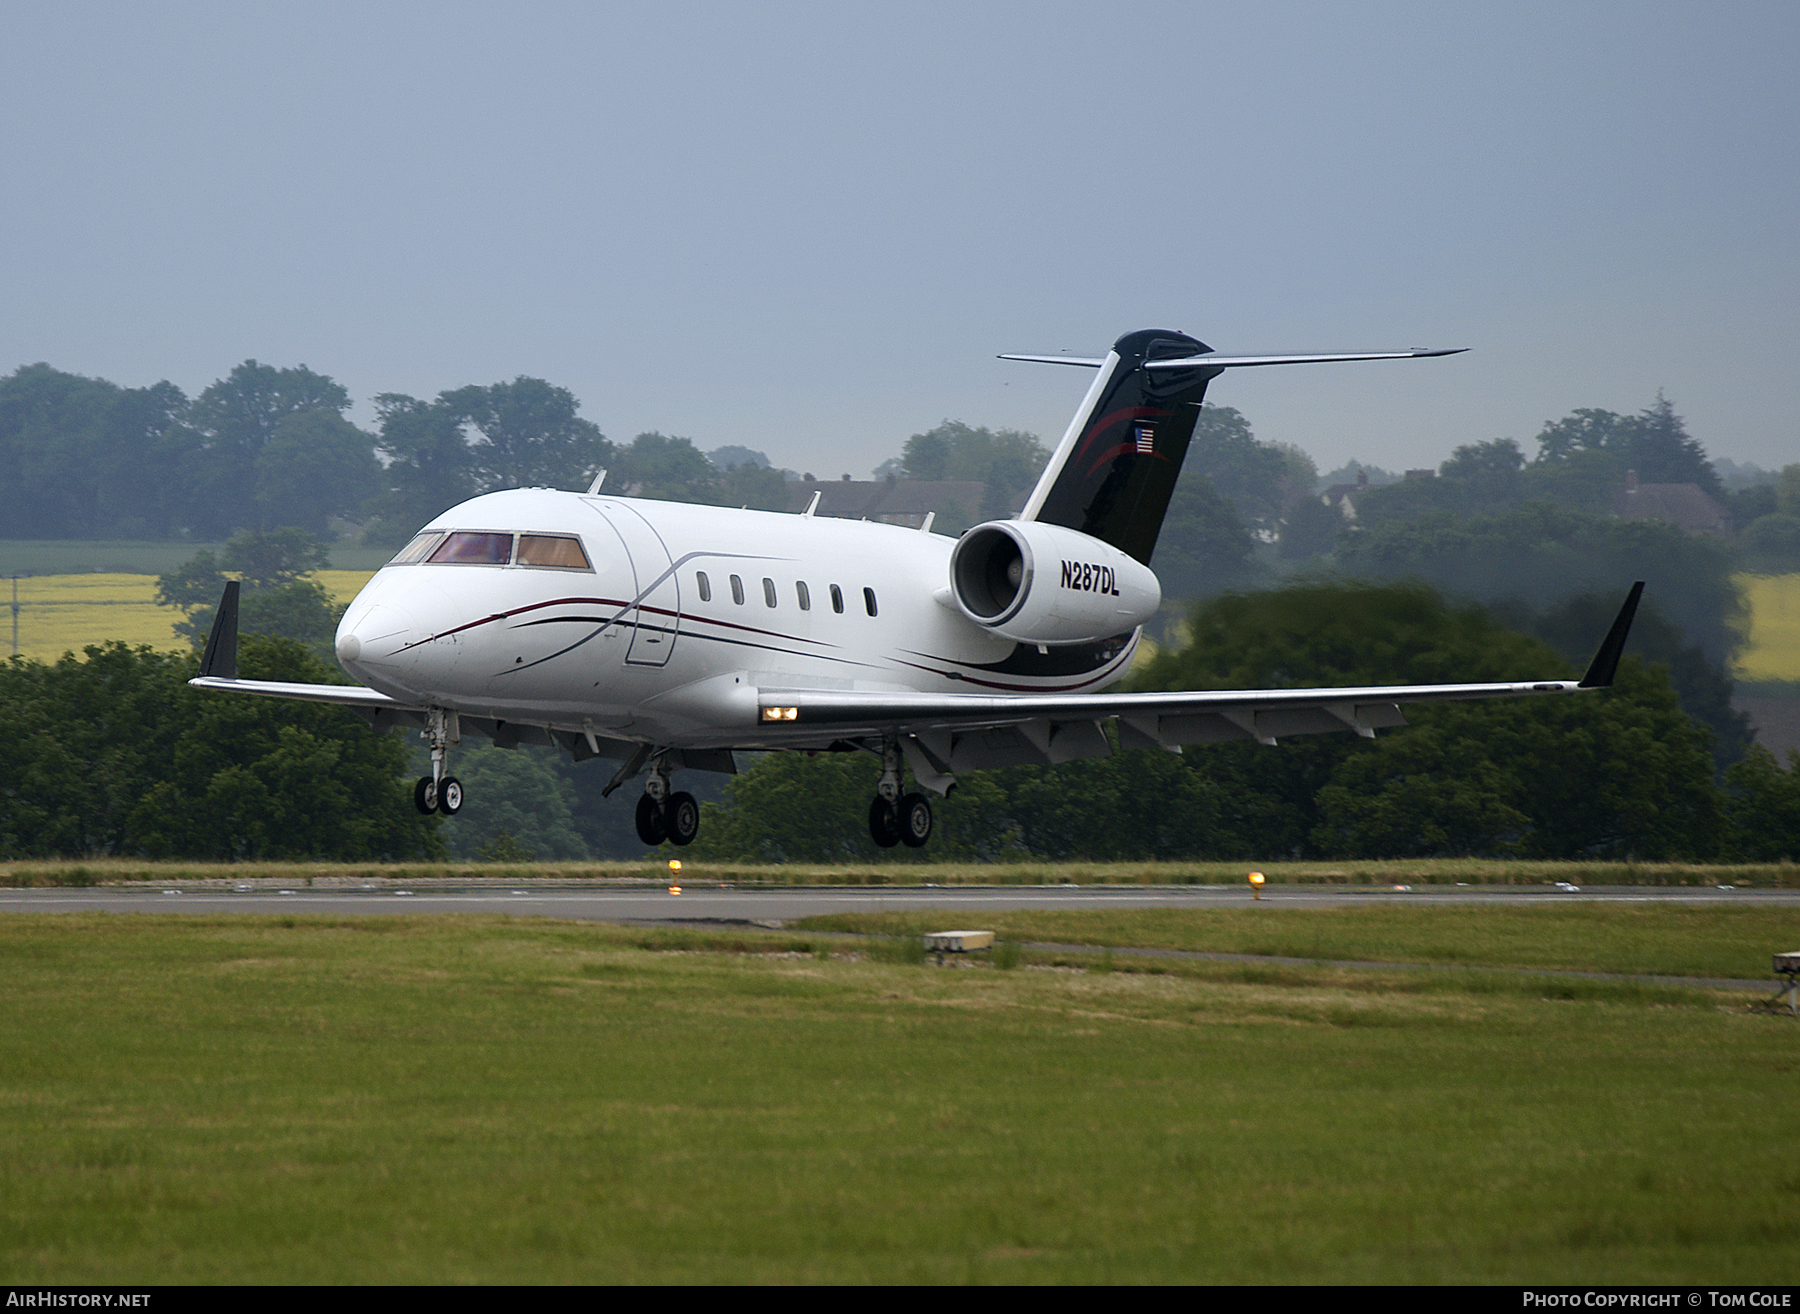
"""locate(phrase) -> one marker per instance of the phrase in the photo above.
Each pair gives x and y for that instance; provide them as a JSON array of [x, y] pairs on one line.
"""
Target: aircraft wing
[[943, 734], [347, 695], [218, 670]]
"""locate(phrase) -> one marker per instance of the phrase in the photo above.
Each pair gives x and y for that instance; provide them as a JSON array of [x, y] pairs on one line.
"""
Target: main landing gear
[[662, 815], [893, 817], [438, 792]]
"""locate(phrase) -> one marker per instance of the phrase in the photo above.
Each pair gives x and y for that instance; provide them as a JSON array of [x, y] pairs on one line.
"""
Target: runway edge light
[[1256, 884]]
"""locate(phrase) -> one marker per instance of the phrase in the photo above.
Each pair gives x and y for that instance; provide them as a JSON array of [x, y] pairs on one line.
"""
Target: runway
[[636, 902]]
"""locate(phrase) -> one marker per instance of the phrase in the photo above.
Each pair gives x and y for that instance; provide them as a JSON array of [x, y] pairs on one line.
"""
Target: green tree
[[1540, 556], [1257, 478], [796, 807], [1204, 547], [1763, 808], [430, 466], [1622, 774], [236, 419], [113, 753], [84, 458], [527, 434], [514, 800], [315, 465], [667, 469], [1489, 777], [280, 598], [1310, 530], [1655, 443], [1008, 461], [1771, 544]]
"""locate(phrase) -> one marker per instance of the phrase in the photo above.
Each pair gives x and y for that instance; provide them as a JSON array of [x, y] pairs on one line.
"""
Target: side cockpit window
[[473, 548], [418, 549], [552, 552]]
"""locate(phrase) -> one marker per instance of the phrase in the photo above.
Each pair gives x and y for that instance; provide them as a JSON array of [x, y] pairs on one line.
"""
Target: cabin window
[[869, 601], [837, 599], [705, 585], [769, 591], [418, 549], [552, 552], [801, 593], [737, 590], [469, 548]]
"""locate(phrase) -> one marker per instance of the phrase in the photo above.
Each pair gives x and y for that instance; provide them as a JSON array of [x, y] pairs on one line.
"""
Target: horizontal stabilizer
[[1087, 362], [1217, 362]]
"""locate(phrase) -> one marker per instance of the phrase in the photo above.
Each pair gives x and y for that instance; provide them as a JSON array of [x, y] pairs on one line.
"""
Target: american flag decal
[[1146, 438]]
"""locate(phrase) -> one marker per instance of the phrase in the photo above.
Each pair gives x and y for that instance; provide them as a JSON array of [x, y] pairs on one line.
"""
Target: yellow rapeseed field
[[1773, 652], [66, 613]]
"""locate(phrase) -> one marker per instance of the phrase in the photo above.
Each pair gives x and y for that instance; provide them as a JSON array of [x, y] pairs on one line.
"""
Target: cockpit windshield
[[480, 547], [467, 547], [552, 550]]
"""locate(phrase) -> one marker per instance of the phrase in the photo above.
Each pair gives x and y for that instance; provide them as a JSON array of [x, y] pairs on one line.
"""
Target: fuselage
[[664, 622]]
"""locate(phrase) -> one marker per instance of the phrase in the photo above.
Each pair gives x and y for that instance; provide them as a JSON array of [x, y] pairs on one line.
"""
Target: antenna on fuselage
[[595, 486]]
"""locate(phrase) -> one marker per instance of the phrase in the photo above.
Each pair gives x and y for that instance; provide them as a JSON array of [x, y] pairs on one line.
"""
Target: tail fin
[[1113, 472]]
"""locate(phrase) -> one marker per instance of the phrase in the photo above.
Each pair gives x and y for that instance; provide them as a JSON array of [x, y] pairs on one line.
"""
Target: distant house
[[890, 501], [1686, 505], [1342, 497]]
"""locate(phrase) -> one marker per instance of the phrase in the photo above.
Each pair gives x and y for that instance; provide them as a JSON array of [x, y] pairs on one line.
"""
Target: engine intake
[[1037, 583]]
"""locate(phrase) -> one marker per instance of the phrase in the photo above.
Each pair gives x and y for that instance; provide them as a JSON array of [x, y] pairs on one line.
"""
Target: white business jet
[[666, 636]]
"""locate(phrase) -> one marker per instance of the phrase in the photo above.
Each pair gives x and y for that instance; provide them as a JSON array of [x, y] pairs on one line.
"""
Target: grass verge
[[1656, 939], [461, 1099]]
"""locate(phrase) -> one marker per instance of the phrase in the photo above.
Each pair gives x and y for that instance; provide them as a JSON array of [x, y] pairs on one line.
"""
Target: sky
[[810, 228]]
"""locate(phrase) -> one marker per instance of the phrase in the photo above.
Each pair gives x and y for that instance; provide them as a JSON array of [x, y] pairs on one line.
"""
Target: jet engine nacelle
[[1038, 583]]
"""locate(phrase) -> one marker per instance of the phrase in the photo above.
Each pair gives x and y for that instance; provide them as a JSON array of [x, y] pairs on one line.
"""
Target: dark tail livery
[[1115, 469]]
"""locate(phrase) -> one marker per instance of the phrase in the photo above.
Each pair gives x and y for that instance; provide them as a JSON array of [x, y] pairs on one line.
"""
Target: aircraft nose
[[372, 635]]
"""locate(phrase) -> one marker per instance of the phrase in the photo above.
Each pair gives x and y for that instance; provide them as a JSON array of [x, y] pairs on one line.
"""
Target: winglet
[[220, 658], [1600, 671]]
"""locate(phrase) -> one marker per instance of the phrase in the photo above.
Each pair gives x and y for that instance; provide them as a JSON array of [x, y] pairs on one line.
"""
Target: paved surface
[[641, 903]]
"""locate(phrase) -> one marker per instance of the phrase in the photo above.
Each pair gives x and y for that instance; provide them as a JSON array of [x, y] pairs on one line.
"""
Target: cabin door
[[655, 614]]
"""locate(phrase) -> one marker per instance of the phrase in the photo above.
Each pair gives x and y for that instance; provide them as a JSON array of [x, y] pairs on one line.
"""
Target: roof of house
[[1686, 505]]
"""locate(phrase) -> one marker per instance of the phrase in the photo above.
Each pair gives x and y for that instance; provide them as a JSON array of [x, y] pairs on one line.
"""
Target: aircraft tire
[[450, 796], [884, 823], [425, 795], [651, 826], [681, 818], [914, 820]]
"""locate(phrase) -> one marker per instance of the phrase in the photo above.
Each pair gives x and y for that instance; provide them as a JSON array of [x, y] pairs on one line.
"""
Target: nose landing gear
[[438, 792]]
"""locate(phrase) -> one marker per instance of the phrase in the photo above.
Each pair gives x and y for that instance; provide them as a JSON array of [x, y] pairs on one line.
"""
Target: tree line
[[266, 459], [1619, 774], [113, 753]]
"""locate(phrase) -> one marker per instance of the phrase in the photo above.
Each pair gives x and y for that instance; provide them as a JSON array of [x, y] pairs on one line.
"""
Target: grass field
[[1656, 939], [415, 1099], [66, 613], [1773, 648]]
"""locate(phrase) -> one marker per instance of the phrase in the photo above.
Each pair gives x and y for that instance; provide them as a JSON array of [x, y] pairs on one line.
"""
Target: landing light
[[780, 713]]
